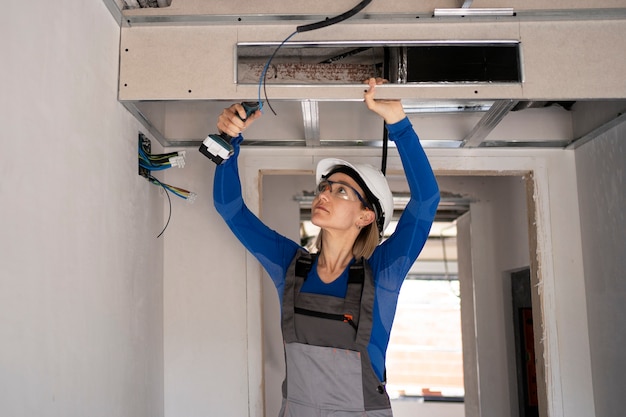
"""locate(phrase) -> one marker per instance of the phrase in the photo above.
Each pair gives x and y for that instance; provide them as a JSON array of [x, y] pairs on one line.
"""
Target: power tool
[[217, 147]]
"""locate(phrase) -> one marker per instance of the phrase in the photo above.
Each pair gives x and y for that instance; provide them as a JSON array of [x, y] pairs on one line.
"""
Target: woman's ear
[[367, 217]]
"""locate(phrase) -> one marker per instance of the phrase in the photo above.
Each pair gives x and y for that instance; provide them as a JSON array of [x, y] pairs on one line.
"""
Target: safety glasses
[[341, 190]]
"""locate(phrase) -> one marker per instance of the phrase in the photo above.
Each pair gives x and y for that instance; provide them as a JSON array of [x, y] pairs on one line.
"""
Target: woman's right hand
[[232, 120]]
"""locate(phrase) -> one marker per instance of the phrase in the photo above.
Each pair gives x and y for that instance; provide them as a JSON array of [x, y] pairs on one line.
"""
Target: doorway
[[493, 237]]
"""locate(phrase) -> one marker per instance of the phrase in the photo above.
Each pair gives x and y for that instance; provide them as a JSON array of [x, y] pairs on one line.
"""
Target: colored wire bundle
[[177, 191], [187, 195], [162, 161], [169, 201], [157, 162]]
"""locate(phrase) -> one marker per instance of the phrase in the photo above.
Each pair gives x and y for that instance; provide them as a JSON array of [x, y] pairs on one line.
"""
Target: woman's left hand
[[390, 110]]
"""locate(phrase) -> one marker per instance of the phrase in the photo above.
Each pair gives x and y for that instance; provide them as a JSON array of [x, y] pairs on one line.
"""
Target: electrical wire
[[169, 200], [334, 20], [262, 80], [383, 163], [157, 162], [177, 191], [162, 161], [305, 28]]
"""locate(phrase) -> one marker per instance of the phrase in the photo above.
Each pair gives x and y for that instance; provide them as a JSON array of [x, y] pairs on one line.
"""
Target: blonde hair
[[363, 246]]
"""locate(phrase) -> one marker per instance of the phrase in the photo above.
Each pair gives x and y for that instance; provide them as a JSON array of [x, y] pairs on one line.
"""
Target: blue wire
[[150, 164], [168, 188], [267, 65], [145, 159], [173, 191], [306, 28], [176, 193], [143, 153], [155, 167]]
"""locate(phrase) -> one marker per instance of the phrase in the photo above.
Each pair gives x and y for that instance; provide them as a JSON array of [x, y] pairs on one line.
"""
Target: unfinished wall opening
[[399, 62]]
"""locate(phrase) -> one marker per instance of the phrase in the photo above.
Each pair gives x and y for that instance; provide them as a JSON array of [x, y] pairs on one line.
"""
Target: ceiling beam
[[487, 123], [311, 119], [163, 16]]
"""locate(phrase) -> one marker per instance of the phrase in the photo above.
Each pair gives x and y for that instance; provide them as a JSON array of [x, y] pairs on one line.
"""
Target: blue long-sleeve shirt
[[390, 261]]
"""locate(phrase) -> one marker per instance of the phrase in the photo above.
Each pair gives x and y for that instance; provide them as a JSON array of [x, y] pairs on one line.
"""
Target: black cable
[[334, 20], [388, 75], [169, 216], [306, 28], [169, 200], [383, 164]]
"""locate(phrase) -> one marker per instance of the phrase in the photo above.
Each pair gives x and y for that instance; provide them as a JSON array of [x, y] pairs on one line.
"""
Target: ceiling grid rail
[[311, 119], [487, 123], [174, 111]]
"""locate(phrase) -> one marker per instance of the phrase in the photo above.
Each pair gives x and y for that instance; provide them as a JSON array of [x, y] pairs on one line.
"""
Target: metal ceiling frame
[[494, 113], [476, 138], [465, 12], [311, 119], [479, 15], [489, 121]]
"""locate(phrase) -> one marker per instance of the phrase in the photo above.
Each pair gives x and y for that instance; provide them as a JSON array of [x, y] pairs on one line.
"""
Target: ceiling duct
[[487, 62], [404, 63]]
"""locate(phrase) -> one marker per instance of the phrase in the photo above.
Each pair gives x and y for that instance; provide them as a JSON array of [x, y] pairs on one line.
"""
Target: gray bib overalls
[[329, 372]]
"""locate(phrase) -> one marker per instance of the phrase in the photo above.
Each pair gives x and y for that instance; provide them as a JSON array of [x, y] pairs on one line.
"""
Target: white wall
[[281, 213], [602, 199], [80, 267], [557, 260], [205, 304]]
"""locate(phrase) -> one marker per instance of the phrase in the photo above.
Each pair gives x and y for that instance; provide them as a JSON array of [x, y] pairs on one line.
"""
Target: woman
[[338, 305]]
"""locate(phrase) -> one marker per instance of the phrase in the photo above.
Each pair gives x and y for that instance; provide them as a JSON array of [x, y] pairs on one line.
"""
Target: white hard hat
[[371, 180]]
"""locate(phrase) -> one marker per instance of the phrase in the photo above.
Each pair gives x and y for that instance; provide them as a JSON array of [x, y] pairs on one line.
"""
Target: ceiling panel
[[179, 69]]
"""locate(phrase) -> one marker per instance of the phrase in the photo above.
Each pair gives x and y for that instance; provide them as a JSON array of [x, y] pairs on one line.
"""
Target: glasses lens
[[338, 190], [323, 186]]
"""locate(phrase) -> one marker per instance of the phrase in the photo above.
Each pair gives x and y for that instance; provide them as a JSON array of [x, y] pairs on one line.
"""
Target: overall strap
[[356, 278], [360, 291], [362, 286], [304, 263], [296, 274]]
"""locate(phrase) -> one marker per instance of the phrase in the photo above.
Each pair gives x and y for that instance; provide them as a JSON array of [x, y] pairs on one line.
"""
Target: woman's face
[[337, 204]]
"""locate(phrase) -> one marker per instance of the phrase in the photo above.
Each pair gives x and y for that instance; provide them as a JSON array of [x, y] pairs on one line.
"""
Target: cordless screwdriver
[[217, 147]]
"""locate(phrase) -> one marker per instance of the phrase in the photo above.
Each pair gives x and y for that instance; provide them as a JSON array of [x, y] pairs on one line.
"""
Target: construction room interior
[[117, 298]]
